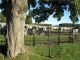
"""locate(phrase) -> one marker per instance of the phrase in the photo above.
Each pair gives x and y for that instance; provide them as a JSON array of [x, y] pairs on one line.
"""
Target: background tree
[[74, 8], [28, 20], [55, 7], [2, 18]]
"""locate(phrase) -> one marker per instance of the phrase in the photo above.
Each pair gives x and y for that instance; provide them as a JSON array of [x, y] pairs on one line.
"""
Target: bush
[[3, 30]]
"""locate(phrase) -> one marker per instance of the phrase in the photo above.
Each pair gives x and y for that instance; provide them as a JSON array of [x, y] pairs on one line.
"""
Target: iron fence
[[55, 37], [49, 40]]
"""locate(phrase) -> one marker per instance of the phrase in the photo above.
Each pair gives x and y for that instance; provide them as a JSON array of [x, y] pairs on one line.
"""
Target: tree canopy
[[42, 9]]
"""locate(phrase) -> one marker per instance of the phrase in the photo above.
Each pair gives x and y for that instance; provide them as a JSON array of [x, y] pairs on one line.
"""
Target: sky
[[53, 21]]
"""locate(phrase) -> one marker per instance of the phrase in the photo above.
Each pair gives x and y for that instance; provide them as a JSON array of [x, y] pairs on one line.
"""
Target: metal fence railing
[[55, 37], [50, 42]]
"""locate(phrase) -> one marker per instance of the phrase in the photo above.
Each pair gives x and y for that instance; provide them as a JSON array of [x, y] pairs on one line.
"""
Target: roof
[[69, 25], [55, 25], [42, 24]]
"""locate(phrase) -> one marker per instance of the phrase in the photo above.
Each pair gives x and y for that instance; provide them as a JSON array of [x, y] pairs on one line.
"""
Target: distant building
[[69, 27], [75, 30], [39, 28], [44, 26], [66, 28], [55, 27]]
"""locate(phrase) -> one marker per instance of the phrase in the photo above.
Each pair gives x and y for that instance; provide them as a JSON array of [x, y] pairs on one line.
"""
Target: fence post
[[33, 37], [75, 37], [69, 36], [49, 43], [59, 34]]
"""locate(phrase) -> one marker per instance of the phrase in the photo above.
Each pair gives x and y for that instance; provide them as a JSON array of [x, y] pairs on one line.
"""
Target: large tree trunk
[[15, 28]]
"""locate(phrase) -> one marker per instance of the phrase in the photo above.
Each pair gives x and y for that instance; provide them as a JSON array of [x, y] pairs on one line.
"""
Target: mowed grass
[[59, 52], [63, 51]]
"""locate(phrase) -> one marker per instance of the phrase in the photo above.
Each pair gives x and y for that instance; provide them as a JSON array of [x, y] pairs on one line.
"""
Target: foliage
[[77, 2], [7, 6], [42, 9], [2, 18], [55, 7], [74, 11], [3, 31], [28, 20]]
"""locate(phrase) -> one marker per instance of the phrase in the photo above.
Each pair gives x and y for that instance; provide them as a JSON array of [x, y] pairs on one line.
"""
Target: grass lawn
[[59, 52], [52, 37], [64, 51]]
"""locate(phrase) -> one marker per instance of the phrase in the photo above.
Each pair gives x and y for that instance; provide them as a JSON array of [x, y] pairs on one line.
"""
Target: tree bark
[[15, 28]]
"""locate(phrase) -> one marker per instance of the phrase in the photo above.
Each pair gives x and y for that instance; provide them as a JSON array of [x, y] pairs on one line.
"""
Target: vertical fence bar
[[33, 37], [76, 37], [69, 33], [49, 43], [59, 30]]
